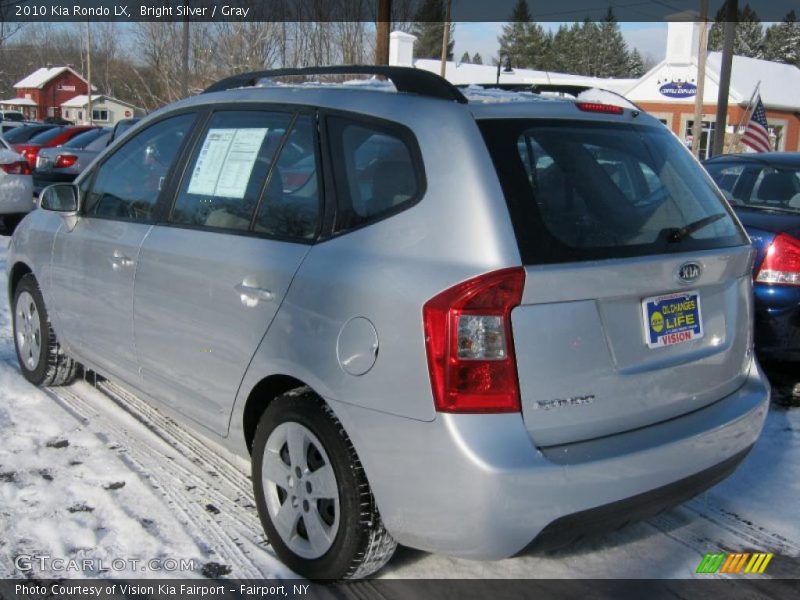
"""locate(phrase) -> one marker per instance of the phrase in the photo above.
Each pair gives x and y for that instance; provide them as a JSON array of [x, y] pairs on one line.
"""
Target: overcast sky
[[649, 38]]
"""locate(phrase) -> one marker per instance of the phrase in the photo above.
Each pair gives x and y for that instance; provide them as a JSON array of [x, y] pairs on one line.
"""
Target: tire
[[41, 358], [345, 537]]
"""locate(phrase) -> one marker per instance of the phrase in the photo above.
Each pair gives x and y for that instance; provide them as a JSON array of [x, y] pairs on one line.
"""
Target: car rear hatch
[[637, 301]]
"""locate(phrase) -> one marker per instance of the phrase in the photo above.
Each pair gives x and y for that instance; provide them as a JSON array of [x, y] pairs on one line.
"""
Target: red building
[[41, 94]]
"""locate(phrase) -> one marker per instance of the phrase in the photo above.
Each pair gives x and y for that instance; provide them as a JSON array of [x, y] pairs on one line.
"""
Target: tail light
[[30, 155], [600, 108], [470, 349], [782, 262], [65, 160], [21, 167]]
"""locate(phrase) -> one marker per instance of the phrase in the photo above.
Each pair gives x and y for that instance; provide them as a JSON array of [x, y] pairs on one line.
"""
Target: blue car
[[764, 190]]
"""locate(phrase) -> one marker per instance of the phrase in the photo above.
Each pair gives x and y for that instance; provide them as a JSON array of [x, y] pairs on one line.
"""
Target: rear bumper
[[777, 322], [476, 486]]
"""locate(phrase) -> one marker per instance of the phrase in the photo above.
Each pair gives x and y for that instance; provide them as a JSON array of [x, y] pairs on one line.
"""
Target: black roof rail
[[405, 79]]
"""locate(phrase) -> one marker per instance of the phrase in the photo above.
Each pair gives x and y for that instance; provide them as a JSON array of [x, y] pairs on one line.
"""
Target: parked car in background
[[56, 136], [11, 115], [764, 190], [6, 126], [413, 341], [16, 186], [64, 163], [122, 126], [25, 131]]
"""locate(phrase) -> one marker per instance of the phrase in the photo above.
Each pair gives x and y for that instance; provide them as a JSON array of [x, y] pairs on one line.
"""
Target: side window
[[290, 207], [374, 171], [228, 170], [127, 185]]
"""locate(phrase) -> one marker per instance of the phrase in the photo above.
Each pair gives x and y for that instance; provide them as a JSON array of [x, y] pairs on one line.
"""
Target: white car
[[16, 186]]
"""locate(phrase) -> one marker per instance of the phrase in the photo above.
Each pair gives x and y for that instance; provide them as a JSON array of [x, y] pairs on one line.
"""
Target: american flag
[[756, 135]]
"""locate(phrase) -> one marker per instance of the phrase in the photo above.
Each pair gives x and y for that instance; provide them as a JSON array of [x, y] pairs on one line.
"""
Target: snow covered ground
[[90, 473]]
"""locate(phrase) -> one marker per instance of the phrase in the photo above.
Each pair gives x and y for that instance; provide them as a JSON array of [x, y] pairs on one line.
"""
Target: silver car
[[465, 327]]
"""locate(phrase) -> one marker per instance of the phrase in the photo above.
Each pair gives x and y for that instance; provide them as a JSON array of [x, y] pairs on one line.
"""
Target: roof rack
[[405, 79]]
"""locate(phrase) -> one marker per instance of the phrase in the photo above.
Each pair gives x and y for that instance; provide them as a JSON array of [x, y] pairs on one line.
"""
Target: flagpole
[[748, 113]]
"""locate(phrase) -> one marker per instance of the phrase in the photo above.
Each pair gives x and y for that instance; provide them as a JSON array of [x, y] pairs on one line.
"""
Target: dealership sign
[[678, 89]]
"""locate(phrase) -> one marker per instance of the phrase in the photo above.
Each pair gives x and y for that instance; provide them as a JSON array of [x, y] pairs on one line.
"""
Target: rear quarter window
[[377, 169]]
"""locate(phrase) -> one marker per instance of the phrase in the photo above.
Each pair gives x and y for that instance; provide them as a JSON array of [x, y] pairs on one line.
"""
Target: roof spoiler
[[405, 79], [572, 89]]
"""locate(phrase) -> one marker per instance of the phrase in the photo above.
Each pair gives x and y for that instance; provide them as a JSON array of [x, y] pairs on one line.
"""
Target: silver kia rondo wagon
[[465, 326]]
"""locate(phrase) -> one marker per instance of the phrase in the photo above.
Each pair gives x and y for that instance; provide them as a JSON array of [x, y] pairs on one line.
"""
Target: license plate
[[672, 319], [42, 162]]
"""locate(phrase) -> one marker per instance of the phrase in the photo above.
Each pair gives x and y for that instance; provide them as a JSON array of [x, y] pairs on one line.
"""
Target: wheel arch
[[18, 271], [259, 398]]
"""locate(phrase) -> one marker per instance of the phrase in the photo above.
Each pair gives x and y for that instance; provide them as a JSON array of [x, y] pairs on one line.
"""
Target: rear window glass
[[23, 134], [583, 191], [47, 136], [83, 139]]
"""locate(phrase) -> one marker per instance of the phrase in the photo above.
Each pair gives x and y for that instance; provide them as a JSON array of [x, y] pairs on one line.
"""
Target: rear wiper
[[689, 229]]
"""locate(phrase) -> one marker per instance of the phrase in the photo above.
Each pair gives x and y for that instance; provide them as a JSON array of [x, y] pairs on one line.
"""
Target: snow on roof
[[81, 101], [42, 75], [18, 102], [465, 74], [780, 83]]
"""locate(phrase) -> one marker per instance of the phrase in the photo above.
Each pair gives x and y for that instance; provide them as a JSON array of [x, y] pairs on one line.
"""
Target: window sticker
[[226, 162]]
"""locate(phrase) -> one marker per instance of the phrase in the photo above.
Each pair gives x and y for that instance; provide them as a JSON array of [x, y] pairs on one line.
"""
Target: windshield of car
[[47, 136], [83, 139], [580, 190], [758, 185]]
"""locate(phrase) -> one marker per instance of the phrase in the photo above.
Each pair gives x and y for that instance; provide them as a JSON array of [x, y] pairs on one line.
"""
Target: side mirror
[[60, 198]]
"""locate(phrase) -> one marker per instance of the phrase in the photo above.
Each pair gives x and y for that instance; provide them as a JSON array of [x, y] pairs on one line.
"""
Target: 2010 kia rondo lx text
[[458, 325]]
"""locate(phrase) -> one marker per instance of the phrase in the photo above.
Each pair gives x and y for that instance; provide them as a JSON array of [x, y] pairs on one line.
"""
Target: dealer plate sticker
[[672, 319]]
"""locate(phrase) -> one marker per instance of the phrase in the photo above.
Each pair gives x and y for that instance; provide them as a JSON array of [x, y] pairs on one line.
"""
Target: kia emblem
[[689, 272]]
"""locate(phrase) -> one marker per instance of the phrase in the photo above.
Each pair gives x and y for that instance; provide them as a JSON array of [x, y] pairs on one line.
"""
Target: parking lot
[[90, 472]]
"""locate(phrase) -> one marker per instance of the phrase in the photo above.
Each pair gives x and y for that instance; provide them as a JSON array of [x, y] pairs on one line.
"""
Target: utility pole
[[445, 37], [185, 57], [383, 26], [731, 12], [90, 115], [697, 129]]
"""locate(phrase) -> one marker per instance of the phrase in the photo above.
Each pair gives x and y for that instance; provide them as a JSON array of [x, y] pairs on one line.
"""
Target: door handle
[[249, 293], [119, 260]]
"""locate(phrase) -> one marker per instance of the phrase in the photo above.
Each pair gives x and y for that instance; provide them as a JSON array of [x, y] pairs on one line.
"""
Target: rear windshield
[[24, 133], [47, 136], [584, 191], [83, 139], [758, 185]]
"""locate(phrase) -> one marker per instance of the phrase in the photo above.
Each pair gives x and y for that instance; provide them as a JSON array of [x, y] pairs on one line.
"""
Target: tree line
[[779, 42]]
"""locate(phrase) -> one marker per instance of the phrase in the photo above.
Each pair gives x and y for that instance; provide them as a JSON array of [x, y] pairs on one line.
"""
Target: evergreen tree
[[782, 41], [524, 42], [429, 30], [477, 59], [611, 51], [538, 44], [465, 59], [561, 55], [513, 41], [748, 37], [636, 66]]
